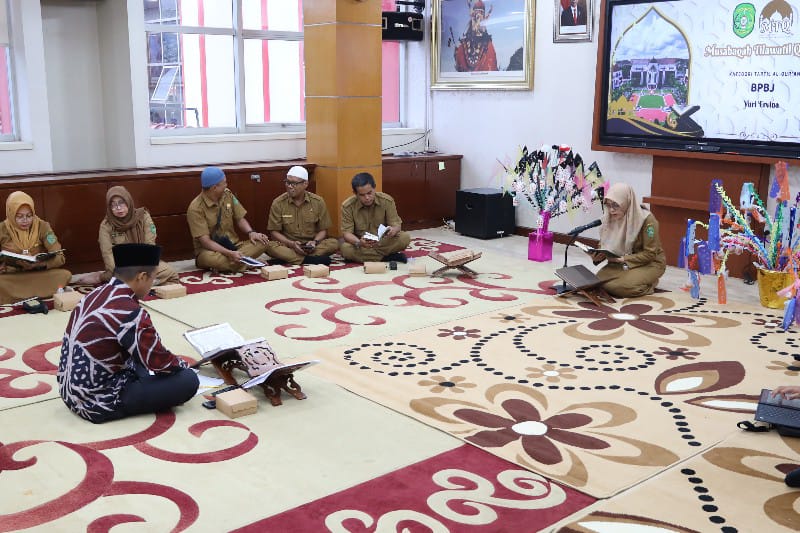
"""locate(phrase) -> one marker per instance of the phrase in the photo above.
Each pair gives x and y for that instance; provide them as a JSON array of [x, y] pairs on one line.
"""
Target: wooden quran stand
[[279, 381], [580, 280], [458, 260]]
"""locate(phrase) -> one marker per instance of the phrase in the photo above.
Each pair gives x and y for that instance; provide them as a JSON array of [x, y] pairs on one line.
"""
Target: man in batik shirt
[[112, 363]]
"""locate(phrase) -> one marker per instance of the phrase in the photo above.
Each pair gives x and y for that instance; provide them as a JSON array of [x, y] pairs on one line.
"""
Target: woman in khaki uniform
[[125, 223], [630, 231], [22, 232]]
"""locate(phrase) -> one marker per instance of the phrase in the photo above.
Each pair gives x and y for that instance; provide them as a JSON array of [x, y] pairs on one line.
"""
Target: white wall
[[489, 125], [74, 84]]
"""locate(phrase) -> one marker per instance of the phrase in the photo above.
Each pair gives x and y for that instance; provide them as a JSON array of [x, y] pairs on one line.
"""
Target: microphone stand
[[562, 287]]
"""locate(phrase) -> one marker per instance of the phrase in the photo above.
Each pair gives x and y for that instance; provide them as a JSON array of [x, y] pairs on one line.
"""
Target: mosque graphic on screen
[[649, 82]]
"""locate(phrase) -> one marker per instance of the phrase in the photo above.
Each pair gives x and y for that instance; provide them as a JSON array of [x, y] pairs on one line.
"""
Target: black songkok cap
[[136, 255]]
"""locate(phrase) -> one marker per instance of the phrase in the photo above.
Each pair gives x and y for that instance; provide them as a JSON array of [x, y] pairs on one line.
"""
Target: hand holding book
[[608, 254]]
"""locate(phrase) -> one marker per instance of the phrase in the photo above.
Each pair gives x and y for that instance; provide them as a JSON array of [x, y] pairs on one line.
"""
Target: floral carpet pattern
[[735, 486], [598, 398], [197, 281]]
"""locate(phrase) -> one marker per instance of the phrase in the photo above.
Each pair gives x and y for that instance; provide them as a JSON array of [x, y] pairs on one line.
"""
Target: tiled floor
[[517, 246]]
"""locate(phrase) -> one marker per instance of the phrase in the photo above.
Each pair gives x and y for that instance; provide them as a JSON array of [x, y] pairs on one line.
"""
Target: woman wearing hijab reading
[[126, 223], [22, 232], [630, 231]]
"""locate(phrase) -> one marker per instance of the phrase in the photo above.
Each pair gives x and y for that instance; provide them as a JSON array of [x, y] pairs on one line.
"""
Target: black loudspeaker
[[402, 26], [484, 213]]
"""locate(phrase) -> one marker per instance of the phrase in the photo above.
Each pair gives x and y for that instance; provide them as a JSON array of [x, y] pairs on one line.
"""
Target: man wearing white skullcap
[[298, 224]]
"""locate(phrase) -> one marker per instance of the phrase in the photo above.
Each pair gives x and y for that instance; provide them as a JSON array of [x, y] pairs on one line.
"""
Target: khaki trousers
[[209, 260], [630, 283], [386, 246], [287, 255]]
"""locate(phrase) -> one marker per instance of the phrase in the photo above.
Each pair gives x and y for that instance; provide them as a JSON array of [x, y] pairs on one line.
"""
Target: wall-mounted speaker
[[402, 26]]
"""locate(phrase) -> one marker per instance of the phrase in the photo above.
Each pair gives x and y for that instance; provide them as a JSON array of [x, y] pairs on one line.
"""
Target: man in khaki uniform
[[298, 224], [216, 212], [363, 213]]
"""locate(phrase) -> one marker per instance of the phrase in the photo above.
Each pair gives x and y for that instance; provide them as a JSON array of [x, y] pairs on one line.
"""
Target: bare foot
[[90, 278]]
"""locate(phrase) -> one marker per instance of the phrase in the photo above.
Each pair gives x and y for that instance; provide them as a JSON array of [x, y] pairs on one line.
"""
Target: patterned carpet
[[597, 398], [198, 281], [561, 403]]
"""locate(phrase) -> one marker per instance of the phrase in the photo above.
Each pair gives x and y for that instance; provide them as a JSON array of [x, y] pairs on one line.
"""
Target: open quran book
[[256, 355], [212, 340], [44, 256], [373, 237], [589, 250]]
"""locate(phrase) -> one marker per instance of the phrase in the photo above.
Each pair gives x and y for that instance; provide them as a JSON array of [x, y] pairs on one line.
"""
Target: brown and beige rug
[[735, 486], [599, 398]]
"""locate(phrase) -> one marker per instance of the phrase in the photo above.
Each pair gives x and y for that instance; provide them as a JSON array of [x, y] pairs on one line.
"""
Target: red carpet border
[[463, 490]]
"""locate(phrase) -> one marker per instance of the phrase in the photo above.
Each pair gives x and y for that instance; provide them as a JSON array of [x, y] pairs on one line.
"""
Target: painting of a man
[[475, 50], [573, 13]]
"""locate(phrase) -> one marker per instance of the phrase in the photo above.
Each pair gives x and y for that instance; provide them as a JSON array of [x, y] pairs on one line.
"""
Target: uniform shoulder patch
[[651, 231], [50, 238], [153, 229]]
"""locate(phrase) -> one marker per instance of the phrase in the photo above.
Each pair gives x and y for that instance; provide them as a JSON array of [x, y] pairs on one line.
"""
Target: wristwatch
[[624, 264]]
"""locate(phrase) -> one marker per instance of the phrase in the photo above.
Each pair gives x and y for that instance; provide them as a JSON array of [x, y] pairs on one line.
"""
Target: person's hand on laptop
[[790, 392]]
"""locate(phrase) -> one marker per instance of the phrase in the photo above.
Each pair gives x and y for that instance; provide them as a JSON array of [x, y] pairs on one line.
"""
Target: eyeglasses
[[117, 205], [29, 216], [293, 183], [611, 205]]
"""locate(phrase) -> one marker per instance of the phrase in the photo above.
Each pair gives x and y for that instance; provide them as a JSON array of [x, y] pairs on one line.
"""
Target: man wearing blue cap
[[113, 364], [214, 216]]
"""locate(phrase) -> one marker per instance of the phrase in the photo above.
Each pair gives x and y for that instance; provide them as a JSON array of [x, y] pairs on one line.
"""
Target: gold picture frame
[[482, 44], [572, 27]]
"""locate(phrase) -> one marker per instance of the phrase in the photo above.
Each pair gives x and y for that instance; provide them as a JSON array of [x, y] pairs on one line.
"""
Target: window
[[236, 65], [6, 92]]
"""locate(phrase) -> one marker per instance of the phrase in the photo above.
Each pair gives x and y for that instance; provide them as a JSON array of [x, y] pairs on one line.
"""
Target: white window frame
[[239, 36], [5, 19]]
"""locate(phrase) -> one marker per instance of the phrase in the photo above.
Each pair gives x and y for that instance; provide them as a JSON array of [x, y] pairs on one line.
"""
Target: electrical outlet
[[256, 177]]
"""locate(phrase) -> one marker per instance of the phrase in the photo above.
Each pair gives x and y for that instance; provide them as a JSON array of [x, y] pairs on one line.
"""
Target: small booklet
[[381, 232], [212, 340], [589, 250], [249, 261], [44, 256]]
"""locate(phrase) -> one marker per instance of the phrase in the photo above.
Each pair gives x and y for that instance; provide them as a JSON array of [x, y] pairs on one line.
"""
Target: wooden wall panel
[[75, 211], [163, 196], [75, 204]]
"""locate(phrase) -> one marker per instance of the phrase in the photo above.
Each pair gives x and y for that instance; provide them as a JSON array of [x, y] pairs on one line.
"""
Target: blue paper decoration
[[704, 258], [713, 232], [788, 315]]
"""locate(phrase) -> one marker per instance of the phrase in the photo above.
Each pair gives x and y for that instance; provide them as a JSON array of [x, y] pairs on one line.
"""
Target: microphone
[[581, 229]]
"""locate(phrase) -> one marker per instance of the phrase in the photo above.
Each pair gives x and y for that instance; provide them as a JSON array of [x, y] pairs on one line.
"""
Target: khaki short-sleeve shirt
[[202, 217], [299, 223], [358, 219]]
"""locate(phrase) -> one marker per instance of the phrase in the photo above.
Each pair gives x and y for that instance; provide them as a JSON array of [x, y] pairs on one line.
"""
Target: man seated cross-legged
[[214, 217], [363, 214], [298, 224]]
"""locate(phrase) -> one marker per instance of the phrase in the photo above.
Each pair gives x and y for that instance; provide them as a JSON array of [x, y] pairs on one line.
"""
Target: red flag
[[564, 4]]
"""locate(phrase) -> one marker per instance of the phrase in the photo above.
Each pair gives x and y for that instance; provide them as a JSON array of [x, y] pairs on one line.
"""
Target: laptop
[[778, 410]]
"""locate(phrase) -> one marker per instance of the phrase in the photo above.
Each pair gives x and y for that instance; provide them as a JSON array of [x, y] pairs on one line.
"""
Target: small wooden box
[[417, 268], [273, 272], [375, 267], [236, 403], [170, 290], [66, 301], [316, 271]]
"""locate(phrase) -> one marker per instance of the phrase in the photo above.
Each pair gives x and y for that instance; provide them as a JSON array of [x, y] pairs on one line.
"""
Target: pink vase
[[540, 242]]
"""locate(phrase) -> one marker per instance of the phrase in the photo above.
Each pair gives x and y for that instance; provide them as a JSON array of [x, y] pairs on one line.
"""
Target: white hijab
[[619, 235]]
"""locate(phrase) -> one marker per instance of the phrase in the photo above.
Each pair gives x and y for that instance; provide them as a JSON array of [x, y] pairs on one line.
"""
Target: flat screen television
[[711, 77]]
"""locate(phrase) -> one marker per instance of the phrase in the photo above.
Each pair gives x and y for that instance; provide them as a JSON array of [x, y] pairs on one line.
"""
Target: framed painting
[[572, 21], [482, 44]]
